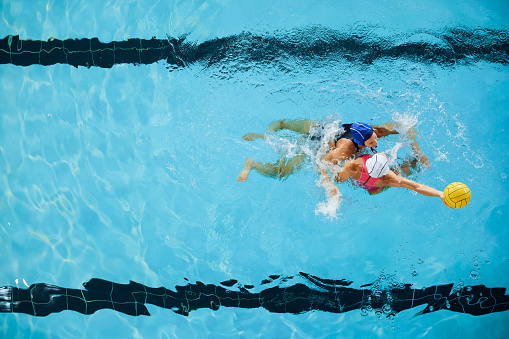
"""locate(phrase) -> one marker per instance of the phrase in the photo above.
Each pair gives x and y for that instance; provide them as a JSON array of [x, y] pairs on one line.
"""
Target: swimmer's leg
[[299, 126], [291, 166], [280, 169], [252, 136]]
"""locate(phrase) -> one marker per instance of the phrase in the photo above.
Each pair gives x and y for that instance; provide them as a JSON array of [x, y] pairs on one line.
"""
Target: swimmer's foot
[[245, 171], [252, 136]]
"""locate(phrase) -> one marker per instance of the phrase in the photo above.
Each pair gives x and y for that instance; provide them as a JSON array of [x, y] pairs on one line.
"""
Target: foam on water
[[330, 206]]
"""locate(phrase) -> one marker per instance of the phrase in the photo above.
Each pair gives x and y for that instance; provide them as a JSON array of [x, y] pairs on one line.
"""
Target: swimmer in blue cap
[[348, 140]]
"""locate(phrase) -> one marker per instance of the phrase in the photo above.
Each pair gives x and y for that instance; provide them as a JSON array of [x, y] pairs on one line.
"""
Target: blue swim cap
[[361, 132]]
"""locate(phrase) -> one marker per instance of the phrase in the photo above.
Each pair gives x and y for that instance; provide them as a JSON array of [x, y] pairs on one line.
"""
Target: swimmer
[[373, 174], [348, 141]]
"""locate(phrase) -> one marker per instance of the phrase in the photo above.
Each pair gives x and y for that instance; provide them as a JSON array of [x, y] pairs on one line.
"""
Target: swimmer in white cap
[[372, 173]]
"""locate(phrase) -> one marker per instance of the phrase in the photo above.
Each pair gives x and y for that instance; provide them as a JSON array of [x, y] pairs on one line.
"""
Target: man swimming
[[372, 173], [348, 140]]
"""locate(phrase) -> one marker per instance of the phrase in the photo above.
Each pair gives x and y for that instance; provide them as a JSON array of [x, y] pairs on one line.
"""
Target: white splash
[[392, 153], [405, 122], [282, 145], [330, 206]]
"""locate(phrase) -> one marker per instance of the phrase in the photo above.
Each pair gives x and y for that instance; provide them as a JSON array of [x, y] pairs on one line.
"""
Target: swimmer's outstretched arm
[[393, 180]]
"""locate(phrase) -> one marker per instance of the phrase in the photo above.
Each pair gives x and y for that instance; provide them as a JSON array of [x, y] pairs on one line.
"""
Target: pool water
[[128, 172]]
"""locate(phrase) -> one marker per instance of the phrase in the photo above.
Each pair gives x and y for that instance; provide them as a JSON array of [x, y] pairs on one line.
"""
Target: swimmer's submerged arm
[[346, 173], [385, 130], [327, 183]]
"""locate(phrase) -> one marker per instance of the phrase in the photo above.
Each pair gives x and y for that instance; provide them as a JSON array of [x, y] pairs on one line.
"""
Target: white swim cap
[[377, 165]]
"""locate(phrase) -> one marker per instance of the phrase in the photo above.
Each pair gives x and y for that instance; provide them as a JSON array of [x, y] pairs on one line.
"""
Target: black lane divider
[[314, 295], [361, 44]]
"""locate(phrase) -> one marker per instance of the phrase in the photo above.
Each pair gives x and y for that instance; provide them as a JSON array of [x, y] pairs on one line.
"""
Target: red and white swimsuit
[[366, 181]]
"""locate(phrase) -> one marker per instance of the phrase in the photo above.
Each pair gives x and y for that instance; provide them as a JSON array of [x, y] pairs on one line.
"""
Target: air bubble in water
[[364, 311]]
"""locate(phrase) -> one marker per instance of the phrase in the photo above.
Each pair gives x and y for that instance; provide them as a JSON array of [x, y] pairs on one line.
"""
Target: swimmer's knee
[[283, 170], [277, 125], [307, 125]]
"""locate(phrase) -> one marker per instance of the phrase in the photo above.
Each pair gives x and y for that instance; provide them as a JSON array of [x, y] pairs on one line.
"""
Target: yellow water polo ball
[[457, 195]]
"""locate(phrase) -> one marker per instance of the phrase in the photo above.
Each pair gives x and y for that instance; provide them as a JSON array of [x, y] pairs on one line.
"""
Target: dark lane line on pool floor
[[446, 47], [315, 294]]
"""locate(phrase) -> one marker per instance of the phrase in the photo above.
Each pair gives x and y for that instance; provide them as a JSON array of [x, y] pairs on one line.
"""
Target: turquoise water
[[129, 173]]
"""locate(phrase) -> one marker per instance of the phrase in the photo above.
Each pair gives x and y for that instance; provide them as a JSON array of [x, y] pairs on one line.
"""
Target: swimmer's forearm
[[428, 191], [328, 184], [385, 130], [324, 176], [425, 190], [397, 181]]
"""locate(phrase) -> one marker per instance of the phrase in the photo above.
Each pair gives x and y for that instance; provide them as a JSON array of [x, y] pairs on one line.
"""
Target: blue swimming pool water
[[129, 173]]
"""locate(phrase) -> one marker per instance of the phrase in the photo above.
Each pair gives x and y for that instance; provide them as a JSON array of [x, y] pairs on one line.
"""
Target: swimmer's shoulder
[[345, 147], [352, 168]]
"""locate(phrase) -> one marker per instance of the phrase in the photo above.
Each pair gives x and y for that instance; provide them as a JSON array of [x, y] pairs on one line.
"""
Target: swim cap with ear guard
[[377, 166], [361, 132]]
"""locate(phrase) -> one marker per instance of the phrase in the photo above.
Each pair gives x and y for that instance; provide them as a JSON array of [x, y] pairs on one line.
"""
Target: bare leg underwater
[[281, 169], [299, 126]]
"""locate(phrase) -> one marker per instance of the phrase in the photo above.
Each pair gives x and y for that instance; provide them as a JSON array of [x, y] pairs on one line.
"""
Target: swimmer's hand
[[387, 128], [442, 196], [334, 192], [252, 136]]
